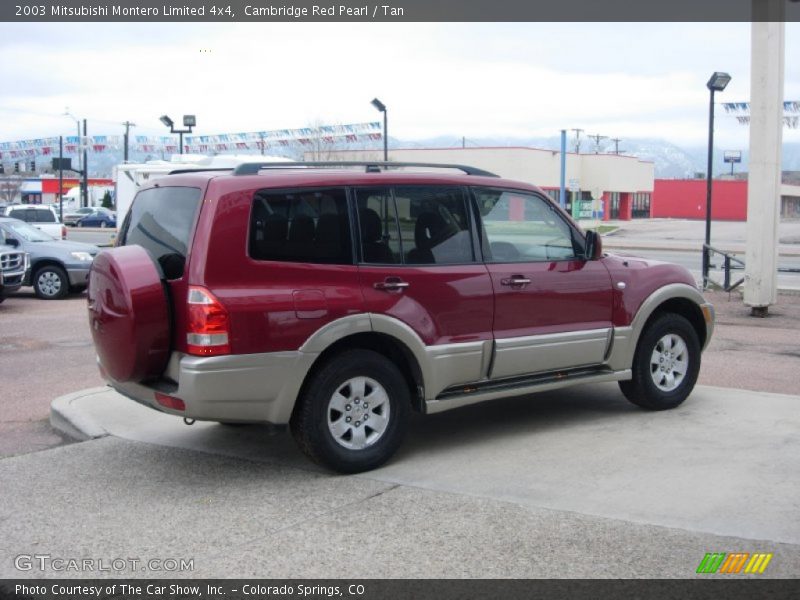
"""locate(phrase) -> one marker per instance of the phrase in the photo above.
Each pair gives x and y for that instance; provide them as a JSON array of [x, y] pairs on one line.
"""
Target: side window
[[422, 225], [301, 226], [520, 227], [377, 221], [434, 226]]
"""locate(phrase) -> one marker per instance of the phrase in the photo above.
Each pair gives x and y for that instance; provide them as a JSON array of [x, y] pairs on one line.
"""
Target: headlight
[[81, 256]]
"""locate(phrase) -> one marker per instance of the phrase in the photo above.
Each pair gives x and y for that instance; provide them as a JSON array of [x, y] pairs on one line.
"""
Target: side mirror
[[594, 245], [12, 242]]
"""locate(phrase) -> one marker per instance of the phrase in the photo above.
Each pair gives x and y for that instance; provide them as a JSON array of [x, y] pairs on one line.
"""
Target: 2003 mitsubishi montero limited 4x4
[[337, 298]]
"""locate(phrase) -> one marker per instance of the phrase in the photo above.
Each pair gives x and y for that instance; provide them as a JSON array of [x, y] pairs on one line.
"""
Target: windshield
[[26, 232]]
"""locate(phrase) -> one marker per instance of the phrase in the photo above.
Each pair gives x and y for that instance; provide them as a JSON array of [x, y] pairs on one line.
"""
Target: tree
[[9, 188], [107, 202]]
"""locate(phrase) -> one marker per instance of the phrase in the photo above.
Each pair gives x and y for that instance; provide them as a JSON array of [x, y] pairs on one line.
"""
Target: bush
[[107, 203]]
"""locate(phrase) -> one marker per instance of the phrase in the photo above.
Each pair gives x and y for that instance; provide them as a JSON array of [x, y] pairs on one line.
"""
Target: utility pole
[[616, 144], [597, 137], [128, 125], [85, 186], [578, 133], [61, 178]]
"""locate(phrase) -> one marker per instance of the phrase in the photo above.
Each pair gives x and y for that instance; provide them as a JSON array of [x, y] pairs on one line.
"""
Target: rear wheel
[[666, 364], [51, 283], [353, 413], [103, 224]]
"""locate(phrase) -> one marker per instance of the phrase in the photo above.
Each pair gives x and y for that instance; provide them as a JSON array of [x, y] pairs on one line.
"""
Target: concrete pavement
[[576, 483]]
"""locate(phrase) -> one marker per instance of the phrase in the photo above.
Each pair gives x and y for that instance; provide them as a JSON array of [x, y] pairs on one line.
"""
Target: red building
[[686, 199]]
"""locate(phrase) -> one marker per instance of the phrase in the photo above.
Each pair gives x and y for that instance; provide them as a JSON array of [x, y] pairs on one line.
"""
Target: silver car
[[57, 267]]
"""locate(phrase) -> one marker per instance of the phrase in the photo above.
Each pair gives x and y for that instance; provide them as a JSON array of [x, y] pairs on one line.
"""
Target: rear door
[[552, 307], [418, 264]]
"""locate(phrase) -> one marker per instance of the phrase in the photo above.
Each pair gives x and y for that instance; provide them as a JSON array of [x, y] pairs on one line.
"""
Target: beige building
[[608, 185]]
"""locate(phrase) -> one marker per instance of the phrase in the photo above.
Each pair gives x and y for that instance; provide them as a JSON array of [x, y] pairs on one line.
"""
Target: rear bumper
[[251, 388]]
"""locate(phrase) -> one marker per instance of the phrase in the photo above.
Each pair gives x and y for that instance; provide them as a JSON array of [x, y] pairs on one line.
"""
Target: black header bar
[[399, 10]]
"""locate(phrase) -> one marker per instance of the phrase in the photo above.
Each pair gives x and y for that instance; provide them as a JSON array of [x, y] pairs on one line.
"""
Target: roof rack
[[370, 166], [199, 170]]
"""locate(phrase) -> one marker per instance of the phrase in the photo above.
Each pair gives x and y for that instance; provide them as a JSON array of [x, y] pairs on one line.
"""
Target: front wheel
[[51, 283], [353, 413], [666, 364]]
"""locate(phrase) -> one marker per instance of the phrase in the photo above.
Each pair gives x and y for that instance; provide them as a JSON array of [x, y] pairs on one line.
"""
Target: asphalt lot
[[571, 484]]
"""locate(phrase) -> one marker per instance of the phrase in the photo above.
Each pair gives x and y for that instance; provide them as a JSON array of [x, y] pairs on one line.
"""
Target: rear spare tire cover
[[129, 314]]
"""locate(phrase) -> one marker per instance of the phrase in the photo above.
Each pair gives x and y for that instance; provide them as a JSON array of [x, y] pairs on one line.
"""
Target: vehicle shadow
[[500, 421], [518, 416]]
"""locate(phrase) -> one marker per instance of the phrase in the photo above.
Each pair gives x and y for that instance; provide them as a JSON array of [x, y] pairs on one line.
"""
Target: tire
[[80, 224], [103, 225], [51, 283], [666, 364], [129, 314], [319, 420]]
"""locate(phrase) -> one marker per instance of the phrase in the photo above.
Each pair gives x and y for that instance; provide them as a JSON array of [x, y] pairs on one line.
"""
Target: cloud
[[623, 80]]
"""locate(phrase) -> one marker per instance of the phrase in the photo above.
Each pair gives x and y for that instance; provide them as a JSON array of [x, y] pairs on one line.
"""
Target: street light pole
[[717, 83], [382, 108], [78, 127], [189, 121]]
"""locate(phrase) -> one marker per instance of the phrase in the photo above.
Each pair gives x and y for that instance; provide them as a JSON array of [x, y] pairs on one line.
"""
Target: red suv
[[338, 300]]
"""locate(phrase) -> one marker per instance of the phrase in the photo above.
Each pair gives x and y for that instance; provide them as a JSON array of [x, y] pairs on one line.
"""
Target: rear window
[[34, 215], [44, 215], [161, 220]]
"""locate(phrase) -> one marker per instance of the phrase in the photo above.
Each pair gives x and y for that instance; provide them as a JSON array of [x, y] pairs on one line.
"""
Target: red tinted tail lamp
[[63, 232], [170, 401], [208, 324]]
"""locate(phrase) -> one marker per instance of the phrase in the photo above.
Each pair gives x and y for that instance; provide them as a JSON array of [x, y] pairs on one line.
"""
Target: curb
[[73, 423]]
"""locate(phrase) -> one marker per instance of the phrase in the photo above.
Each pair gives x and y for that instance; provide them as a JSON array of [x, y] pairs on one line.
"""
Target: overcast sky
[[473, 80]]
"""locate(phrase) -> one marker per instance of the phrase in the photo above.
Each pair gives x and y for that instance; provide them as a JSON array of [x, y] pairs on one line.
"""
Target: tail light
[[208, 327], [170, 402], [63, 232]]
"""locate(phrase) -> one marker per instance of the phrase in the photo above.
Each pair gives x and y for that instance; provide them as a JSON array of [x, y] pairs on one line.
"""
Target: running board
[[511, 383], [465, 394]]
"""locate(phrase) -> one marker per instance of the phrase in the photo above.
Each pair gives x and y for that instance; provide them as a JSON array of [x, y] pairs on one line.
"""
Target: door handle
[[391, 284], [515, 280]]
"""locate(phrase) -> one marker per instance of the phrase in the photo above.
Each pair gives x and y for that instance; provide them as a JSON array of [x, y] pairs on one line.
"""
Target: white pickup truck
[[41, 216]]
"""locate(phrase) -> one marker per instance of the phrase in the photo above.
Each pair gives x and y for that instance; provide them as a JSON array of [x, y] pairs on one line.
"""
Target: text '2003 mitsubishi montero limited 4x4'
[[337, 298]]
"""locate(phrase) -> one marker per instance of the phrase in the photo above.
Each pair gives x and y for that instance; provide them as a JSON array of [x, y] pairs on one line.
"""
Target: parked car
[[73, 216], [13, 267], [98, 218], [339, 300], [41, 216], [57, 267]]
